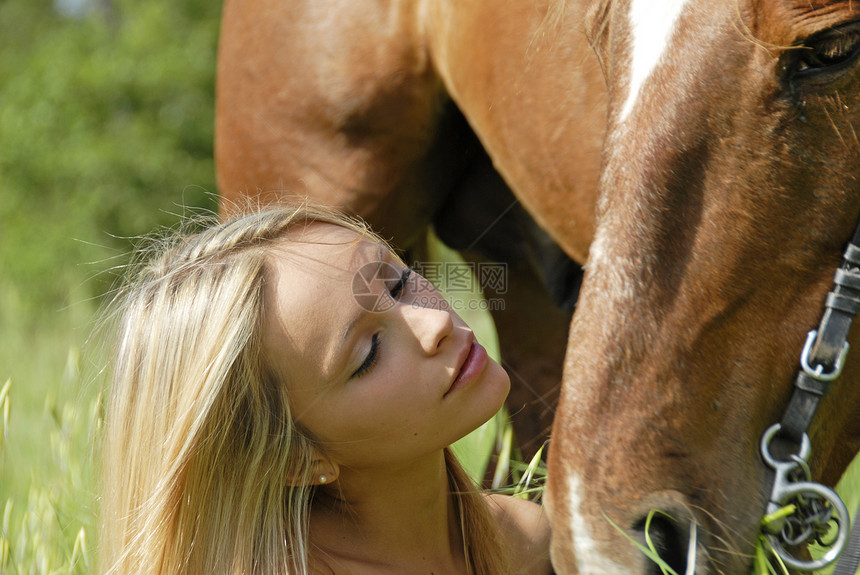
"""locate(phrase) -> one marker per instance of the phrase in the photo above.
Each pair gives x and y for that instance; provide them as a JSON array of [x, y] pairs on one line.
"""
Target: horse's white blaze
[[608, 259], [588, 558], [651, 25]]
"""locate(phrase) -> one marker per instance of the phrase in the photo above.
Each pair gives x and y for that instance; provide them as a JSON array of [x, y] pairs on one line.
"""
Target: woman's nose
[[431, 325]]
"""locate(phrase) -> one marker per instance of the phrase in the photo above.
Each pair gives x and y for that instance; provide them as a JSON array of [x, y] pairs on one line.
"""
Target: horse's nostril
[[668, 539]]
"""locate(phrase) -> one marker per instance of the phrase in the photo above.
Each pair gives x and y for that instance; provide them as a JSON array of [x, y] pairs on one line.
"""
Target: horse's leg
[[532, 336], [530, 285]]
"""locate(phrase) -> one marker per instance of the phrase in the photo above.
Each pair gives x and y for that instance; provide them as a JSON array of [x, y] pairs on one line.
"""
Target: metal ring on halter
[[767, 437], [785, 490], [818, 372], [807, 488]]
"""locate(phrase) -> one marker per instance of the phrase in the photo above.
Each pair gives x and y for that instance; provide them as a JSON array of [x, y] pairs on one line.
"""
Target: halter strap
[[822, 358]]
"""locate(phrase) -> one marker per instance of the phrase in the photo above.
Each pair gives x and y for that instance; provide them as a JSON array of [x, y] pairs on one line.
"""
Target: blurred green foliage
[[106, 129], [106, 132]]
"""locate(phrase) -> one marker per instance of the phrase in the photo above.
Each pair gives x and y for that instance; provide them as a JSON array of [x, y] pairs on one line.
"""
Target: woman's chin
[[497, 384]]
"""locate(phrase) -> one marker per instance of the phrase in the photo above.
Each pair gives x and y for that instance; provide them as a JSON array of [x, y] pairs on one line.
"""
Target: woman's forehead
[[322, 261], [309, 289], [326, 249]]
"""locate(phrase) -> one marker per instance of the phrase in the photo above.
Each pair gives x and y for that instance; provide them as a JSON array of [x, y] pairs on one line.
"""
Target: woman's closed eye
[[369, 360], [395, 291]]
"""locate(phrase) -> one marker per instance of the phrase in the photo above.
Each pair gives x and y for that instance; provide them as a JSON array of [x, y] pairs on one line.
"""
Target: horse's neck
[[528, 82]]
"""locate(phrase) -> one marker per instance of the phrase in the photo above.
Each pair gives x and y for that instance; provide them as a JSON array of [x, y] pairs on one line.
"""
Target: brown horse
[[374, 107], [719, 139]]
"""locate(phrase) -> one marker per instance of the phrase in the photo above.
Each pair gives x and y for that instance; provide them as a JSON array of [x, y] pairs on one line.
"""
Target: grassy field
[[51, 417]]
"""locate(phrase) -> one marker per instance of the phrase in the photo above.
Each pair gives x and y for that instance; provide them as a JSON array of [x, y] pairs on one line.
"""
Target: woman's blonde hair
[[205, 470]]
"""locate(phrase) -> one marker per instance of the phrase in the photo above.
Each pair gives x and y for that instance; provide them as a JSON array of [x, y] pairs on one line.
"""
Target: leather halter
[[822, 362], [815, 507]]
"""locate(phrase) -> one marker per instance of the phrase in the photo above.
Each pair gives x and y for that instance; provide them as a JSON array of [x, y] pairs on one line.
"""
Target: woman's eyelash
[[371, 359], [397, 290], [373, 355]]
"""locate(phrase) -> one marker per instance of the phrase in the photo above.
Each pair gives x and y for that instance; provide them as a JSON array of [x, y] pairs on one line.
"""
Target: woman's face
[[379, 368]]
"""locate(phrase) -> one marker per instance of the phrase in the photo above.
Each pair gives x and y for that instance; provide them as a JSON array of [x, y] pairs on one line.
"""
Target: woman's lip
[[472, 366]]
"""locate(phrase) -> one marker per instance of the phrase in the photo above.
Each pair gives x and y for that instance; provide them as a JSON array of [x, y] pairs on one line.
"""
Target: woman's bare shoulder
[[525, 526]]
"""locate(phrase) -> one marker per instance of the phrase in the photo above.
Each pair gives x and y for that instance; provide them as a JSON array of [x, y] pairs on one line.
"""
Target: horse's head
[[729, 186]]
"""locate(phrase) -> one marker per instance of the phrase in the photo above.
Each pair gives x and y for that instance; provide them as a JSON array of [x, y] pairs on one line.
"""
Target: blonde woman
[[284, 391]]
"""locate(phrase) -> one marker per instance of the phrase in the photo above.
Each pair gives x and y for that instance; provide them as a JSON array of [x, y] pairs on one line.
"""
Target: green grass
[[51, 417]]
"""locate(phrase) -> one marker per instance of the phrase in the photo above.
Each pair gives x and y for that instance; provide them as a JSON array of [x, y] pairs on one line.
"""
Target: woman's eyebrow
[[350, 325], [381, 251]]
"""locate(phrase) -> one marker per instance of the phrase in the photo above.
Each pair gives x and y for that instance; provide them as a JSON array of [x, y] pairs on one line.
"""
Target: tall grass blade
[[649, 551], [7, 516], [523, 487], [764, 553], [765, 557], [80, 551], [6, 403], [503, 465], [651, 514], [5, 538]]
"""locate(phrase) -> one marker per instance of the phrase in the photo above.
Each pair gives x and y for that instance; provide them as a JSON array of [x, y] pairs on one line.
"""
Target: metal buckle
[[818, 372], [814, 511]]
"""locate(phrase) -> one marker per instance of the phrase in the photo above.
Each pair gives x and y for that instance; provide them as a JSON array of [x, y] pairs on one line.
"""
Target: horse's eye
[[828, 50]]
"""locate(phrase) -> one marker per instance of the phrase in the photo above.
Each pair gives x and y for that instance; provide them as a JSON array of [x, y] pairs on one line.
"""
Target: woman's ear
[[322, 471]]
